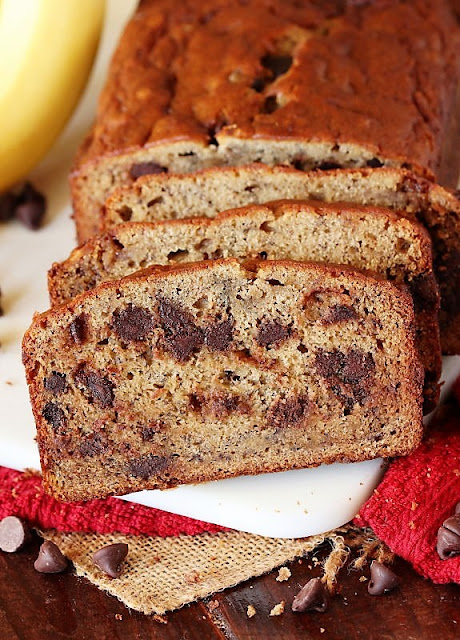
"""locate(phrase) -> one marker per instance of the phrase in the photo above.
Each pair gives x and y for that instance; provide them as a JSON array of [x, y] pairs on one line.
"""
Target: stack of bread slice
[[263, 247]]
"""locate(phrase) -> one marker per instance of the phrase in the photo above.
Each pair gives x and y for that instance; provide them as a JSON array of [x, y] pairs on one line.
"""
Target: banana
[[47, 48]]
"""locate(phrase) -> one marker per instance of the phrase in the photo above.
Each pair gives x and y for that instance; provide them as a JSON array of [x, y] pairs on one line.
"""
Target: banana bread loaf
[[307, 84], [207, 192], [370, 238], [210, 370]]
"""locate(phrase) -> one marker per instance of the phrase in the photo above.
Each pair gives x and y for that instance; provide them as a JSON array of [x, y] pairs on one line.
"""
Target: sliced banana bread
[[207, 192], [307, 84], [371, 238], [214, 369]]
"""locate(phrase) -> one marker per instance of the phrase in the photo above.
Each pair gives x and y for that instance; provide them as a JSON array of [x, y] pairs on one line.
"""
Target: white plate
[[290, 504]]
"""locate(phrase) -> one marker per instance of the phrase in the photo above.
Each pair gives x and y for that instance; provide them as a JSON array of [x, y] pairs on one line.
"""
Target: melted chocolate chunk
[[50, 559], [288, 412], [181, 335], [383, 580], [147, 466], [78, 329], [109, 559], [448, 542], [374, 163], [271, 333], [133, 323], [424, 294], [339, 313], [218, 404], [277, 65], [349, 374], [146, 168], [100, 387], [312, 597], [54, 415], [55, 383], [93, 445], [218, 337]]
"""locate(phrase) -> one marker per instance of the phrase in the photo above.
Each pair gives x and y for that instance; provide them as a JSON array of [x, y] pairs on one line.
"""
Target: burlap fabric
[[162, 574]]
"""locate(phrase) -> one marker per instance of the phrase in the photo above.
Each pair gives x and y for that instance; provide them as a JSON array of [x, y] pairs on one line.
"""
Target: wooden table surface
[[34, 606]]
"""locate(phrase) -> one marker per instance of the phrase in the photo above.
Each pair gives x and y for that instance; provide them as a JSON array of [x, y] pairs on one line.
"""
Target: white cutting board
[[289, 504]]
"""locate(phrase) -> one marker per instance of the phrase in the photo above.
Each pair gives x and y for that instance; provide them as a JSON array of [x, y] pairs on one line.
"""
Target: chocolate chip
[[457, 508], [339, 313], [30, 207], [50, 559], [277, 65], [312, 597], [54, 415], [328, 166], [110, 559], [7, 206], [100, 387], [14, 534], [219, 336], [147, 466], [382, 579], [182, 337], [93, 445], [78, 329], [350, 367], [133, 323], [55, 383], [146, 168], [374, 163], [272, 333], [448, 541], [288, 412]]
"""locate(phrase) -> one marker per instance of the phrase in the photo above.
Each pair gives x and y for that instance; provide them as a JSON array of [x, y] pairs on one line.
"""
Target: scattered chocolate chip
[[218, 337], [54, 415], [110, 559], [457, 508], [55, 383], [100, 387], [448, 541], [339, 313], [14, 534], [181, 335], [133, 323], [312, 597], [147, 466], [146, 168], [50, 559], [30, 207], [8, 203], [383, 579], [288, 412], [78, 329], [271, 333]]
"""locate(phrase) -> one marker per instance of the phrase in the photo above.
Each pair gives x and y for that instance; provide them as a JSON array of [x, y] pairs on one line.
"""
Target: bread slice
[[370, 238], [205, 193], [211, 370], [307, 84]]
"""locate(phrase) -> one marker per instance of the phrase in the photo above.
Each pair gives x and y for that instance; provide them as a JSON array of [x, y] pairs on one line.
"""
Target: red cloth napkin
[[22, 495], [416, 495]]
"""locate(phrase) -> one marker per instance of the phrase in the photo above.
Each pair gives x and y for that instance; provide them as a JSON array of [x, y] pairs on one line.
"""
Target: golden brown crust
[[159, 385]]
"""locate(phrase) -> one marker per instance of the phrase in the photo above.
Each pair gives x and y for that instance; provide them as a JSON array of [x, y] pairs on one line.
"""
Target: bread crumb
[[213, 605], [412, 525], [159, 618], [118, 616], [278, 609], [363, 579], [283, 574], [250, 611], [414, 505], [321, 630]]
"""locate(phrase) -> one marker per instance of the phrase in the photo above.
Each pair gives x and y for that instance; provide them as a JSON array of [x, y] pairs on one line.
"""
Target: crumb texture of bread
[[213, 83], [206, 193], [366, 237], [209, 370]]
